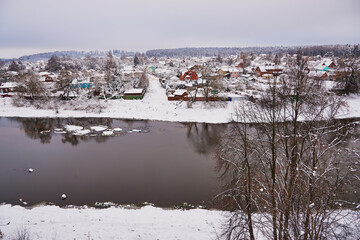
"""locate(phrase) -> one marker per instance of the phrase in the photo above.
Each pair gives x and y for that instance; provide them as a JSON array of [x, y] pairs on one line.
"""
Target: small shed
[[136, 93]]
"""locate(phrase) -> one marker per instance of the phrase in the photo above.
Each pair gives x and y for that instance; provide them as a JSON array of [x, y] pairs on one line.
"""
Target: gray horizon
[[43, 26]]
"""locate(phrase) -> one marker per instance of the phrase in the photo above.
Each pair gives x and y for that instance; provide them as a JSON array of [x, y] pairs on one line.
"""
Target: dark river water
[[166, 163]]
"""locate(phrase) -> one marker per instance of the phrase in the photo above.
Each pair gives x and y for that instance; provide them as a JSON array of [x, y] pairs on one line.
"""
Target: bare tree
[[144, 80], [29, 85], [64, 81], [136, 60], [284, 172]]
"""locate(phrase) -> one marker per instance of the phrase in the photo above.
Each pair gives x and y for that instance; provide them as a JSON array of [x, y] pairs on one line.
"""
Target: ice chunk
[[59, 131], [117, 129], [108, 133], [98, 128], [81, 132], [73, 128], [31, 170], [63, 197]]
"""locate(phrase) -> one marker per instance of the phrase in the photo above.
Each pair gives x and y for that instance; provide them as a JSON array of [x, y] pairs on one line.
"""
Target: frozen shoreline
[[53, 222]]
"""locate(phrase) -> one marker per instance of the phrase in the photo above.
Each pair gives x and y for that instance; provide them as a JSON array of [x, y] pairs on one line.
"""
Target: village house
[[47, 77], [273, 70], [318, 75], [7, 89], [177, 95], [188, 75]]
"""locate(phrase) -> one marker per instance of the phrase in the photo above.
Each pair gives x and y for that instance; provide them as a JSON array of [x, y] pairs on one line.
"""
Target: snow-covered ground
[[154, 106], [52, 222]]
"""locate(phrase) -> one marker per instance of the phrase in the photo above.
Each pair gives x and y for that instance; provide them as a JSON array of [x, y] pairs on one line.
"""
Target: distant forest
[[73, 54], [330, 50], [322, 50]]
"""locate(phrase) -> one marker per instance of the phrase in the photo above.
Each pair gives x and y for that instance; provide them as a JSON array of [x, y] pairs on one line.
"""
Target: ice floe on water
[[73, 128], [98, 128], [93, 131], [45, 131], [81, 132], [59, 131], [108, 133]]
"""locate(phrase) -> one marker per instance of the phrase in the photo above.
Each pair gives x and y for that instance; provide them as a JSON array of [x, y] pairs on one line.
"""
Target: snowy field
[[154, 106], [52, 222]]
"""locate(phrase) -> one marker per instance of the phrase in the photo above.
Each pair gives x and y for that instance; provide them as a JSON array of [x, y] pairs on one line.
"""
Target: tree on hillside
[[136, 60], [352, 81], [219, 58], [53, 64], [114, 84], [91, 62], [144, 80], [284, 172], [15, 66], [246, 61]]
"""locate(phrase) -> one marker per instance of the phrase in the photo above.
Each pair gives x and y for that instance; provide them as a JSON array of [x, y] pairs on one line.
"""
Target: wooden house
[[177, 95], [319, 75], [259, 71], [240, 65], [189, 75]]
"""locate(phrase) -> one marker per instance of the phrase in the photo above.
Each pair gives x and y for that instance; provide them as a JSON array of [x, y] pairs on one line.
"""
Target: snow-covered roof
[[76, 81], [44, 73], [8, 85], [179, 92], [316, 73], [134, 91], [128, 68]]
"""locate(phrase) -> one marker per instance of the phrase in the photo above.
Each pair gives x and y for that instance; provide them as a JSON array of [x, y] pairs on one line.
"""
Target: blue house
[[80, 84]]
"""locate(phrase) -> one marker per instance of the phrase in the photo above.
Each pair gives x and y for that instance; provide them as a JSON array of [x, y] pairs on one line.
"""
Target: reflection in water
[[43, 128], [204, 137]]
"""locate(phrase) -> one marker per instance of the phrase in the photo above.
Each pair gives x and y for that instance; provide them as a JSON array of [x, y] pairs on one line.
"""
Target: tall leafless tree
[[284, 171]]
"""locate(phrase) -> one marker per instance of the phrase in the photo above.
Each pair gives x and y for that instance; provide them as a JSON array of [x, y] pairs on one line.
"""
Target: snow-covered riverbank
[[52, 222], [154, 106]]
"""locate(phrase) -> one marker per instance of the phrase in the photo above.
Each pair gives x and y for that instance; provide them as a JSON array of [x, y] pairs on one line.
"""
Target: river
[[159, 162]]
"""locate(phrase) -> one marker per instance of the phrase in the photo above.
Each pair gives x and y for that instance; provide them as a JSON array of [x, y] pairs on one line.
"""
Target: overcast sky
[[139, 25]]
